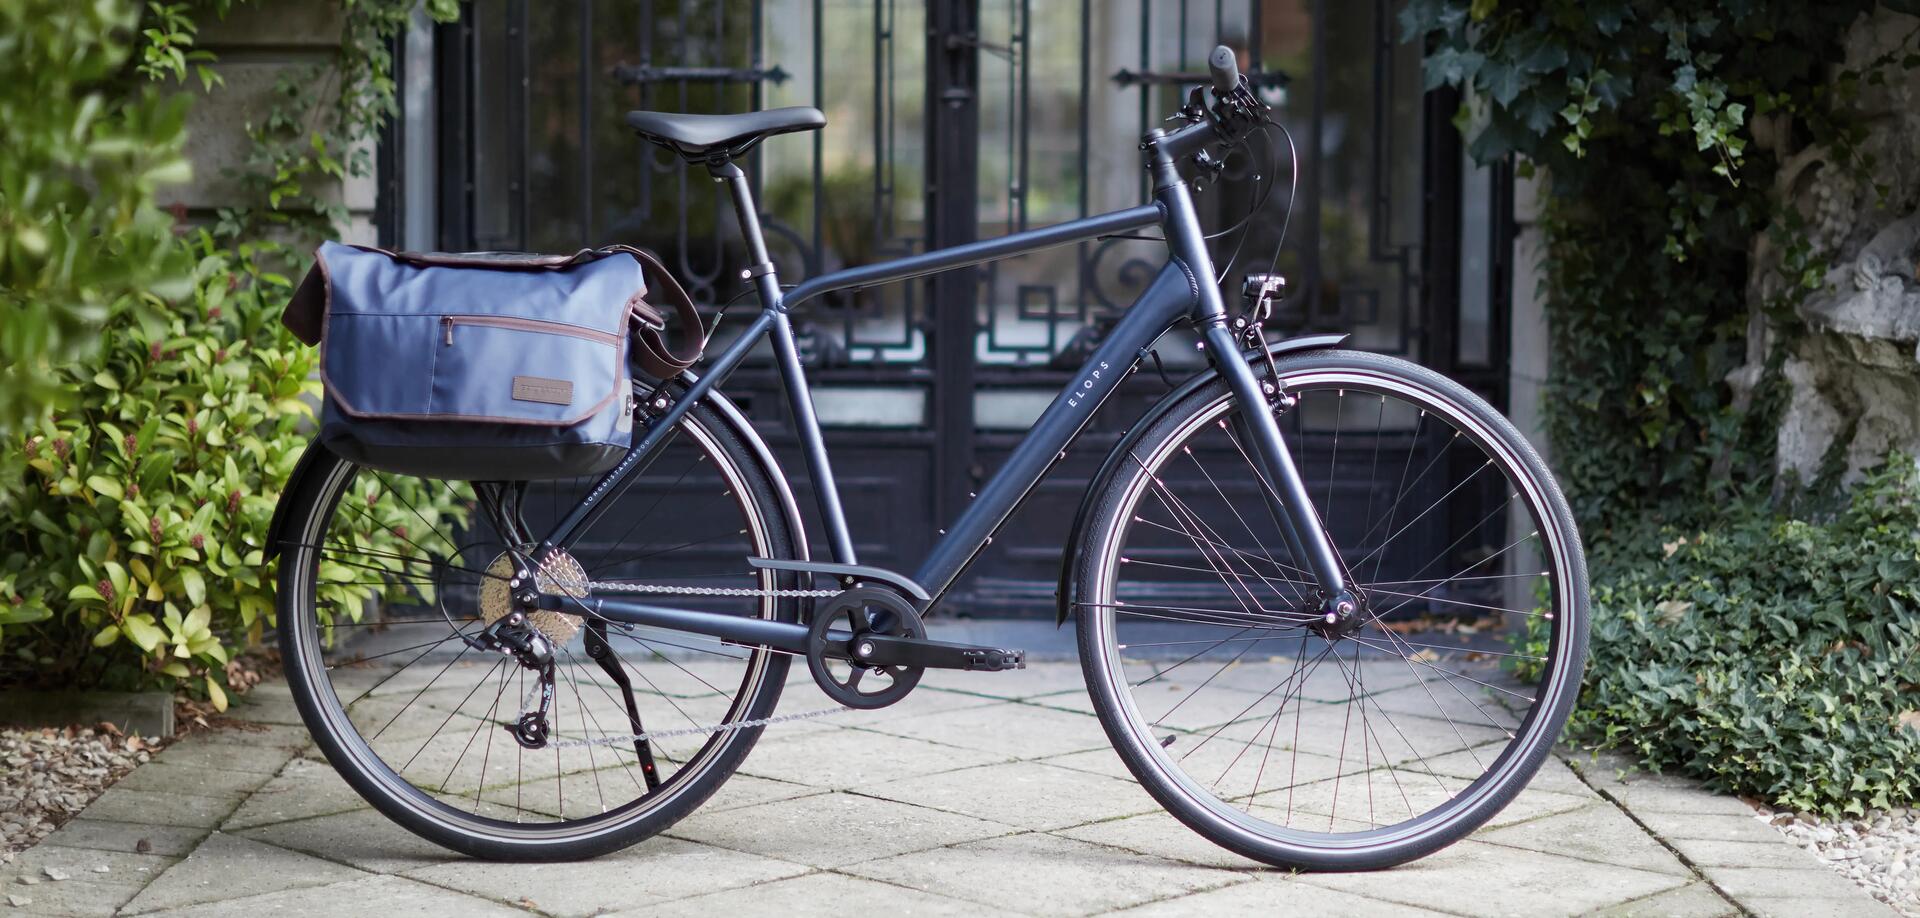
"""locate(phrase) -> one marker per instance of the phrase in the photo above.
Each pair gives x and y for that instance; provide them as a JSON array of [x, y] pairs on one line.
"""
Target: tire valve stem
[[1167, 741]]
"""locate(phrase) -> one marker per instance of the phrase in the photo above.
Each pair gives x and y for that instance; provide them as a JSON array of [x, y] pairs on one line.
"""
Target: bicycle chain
[[615, 586], [697, 731]]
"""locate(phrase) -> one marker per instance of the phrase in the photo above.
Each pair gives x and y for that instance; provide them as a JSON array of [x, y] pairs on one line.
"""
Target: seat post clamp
[[760, 270]]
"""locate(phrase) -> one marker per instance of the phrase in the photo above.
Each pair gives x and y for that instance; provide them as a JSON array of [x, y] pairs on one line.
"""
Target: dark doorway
[[958, 119]]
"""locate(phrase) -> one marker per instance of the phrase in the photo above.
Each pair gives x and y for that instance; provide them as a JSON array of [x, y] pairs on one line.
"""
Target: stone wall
[[256, 45], [1854, 375]]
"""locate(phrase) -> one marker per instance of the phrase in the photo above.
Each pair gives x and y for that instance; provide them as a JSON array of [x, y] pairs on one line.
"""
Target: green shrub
[[132, 528], [1772, 657], [80, 235]]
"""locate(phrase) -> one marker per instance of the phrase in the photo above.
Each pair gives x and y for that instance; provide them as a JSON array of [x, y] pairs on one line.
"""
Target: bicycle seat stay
[[728, 136]]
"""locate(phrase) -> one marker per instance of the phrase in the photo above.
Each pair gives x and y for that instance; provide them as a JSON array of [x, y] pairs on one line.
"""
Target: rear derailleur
[[514, 635]]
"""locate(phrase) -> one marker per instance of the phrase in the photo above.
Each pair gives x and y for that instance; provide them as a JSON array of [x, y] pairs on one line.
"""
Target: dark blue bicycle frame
[[1185, 290]]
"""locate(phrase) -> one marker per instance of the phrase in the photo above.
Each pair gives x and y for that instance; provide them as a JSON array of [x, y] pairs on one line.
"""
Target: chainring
[[560, 576], [862, 611]]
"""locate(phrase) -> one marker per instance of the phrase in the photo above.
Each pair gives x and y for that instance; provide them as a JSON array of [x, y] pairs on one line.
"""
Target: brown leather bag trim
[[655, 356], [306, 312]]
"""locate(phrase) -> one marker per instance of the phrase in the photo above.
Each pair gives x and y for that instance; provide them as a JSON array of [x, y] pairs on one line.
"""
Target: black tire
[[1128, 546], [436, 813]]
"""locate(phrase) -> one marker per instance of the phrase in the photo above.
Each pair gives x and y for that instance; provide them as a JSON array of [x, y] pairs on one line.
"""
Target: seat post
[[760, 267], [787, 353]]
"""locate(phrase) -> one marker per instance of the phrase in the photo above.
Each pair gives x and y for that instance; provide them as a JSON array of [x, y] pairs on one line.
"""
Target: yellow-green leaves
[[83, 235], [141, 630]]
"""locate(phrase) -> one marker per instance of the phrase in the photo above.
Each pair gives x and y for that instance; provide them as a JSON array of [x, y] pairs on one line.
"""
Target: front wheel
[[1320, 746]]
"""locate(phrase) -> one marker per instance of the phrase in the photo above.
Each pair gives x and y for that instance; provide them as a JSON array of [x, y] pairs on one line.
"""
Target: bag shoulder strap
[[655, 355]]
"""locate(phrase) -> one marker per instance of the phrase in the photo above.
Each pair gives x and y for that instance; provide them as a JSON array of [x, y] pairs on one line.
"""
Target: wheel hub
[[1340, 616]]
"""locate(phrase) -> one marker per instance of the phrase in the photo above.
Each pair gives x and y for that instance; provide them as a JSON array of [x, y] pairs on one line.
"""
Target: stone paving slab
[[982, 793], [1694, 900], [1044, 875], [87, 890], [384, 896], [1275, 895], [657, 870], [128, 837], [231, 867], [163, 808], [1476, 878], [833, 830], [1597, 832], [1029, 795], [815, 895]]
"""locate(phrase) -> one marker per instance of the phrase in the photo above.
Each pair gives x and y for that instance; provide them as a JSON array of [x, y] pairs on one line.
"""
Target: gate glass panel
[[957, 119]]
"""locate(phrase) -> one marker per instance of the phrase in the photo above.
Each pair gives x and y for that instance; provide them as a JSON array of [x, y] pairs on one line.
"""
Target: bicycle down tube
[[1183, 289]]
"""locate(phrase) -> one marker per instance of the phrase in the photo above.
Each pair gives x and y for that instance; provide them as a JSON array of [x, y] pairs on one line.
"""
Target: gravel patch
[[52, 774], [1880, 851]]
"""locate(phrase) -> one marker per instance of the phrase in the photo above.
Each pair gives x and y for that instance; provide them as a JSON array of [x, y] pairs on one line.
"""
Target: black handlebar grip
[[1225, 69]]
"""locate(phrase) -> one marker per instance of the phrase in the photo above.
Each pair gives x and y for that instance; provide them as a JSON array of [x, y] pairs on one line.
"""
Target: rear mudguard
[[1064, 596], [736, 422]]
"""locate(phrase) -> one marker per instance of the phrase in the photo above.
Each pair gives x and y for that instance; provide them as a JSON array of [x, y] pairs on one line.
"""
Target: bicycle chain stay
[[616, 586]]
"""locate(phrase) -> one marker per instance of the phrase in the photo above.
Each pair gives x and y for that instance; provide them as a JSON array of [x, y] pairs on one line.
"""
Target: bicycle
[[1200, 543]]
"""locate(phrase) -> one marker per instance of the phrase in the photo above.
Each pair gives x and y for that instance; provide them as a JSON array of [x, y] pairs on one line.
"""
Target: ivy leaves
[[1773, 657], [1543, 76]]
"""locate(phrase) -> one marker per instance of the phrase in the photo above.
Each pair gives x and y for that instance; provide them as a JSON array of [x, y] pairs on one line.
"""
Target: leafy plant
[[80, 235], [133, 523], [137, 522], [1771, 656], [1641, 114], [1767, 654]]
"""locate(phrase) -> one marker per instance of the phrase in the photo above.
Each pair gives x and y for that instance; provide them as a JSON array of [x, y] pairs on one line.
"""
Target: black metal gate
[[952, 120]]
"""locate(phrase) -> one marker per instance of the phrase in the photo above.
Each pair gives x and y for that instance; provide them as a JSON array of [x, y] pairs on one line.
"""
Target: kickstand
[[602, 653]]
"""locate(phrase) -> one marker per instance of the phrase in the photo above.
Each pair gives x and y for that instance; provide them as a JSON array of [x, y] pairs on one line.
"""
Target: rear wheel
[[1313, 745], [421, 724]]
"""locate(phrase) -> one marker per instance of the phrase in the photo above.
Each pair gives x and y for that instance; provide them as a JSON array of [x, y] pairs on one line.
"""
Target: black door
[[958, 119]]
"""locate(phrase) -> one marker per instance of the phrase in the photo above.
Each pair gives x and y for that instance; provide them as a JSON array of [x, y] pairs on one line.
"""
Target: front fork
[[1301, 526]]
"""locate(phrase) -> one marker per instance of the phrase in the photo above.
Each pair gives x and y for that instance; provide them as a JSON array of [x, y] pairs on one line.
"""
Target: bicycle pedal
[[993, 660]]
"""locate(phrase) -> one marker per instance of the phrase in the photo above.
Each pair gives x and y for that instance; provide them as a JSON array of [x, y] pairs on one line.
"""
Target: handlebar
[[1225, 69], [1234, 113]]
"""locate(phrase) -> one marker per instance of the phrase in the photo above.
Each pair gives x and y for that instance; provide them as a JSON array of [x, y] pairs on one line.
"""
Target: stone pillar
[[1527, 320], [1853, 374], [256, 45], [1526, 370]]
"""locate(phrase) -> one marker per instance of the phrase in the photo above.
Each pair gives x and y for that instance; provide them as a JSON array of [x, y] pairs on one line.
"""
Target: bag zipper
[[527, 325]]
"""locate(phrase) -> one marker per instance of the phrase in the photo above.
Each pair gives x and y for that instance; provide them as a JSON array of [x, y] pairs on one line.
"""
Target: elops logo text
[[1079, 391]]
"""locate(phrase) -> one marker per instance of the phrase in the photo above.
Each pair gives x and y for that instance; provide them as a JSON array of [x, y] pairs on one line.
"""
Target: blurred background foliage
[[87, 145], [152, 402]]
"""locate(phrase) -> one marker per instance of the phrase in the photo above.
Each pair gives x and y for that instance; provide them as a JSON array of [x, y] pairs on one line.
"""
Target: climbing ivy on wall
[[1736, 636], [1642, 115]]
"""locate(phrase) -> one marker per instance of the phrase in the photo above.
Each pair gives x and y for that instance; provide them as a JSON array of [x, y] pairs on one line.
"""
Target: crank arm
[[901, 651]]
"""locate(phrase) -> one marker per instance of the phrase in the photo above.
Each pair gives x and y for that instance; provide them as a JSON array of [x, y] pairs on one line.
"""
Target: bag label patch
[[540, 389]]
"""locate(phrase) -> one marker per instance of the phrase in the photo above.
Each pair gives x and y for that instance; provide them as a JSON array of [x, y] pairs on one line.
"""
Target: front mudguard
[[1064, 595]]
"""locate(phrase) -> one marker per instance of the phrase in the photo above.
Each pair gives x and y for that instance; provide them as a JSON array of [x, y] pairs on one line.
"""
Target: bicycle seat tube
[[793, 375]]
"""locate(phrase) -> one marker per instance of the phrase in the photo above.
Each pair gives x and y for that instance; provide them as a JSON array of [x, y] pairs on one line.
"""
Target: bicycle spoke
[[1339, 724]]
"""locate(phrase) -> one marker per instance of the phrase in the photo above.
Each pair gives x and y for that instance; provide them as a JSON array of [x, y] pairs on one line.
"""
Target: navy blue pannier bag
[[487, 365]]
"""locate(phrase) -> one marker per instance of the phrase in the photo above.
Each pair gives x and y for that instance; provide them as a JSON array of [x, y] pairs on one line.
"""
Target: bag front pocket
[[518, 370]]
